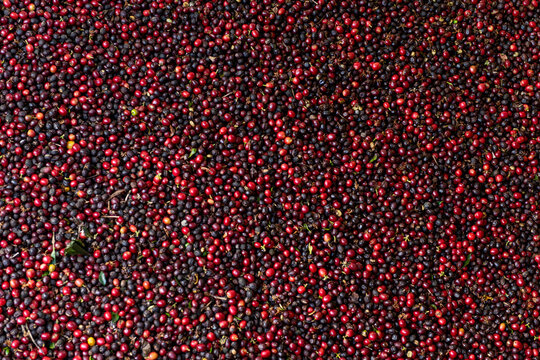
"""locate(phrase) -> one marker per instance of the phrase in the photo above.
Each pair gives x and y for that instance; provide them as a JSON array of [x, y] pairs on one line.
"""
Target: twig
[[25, 327], [217, 297], [115, 194]]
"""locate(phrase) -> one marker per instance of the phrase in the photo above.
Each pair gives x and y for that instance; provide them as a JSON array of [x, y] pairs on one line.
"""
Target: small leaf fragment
[[76, 247], [53, 257], [467, 261], [115, 317], [102, 278], [86, 232]]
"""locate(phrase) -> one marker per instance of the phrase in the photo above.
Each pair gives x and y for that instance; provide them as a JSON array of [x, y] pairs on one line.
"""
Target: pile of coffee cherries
[[285, 179]]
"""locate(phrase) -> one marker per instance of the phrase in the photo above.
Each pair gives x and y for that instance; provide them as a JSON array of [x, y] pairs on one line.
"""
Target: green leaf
[[76, 247], [6, 350], [192, 152], [53, 257], [115, 317], [374, 158], [102, 278], [52, 345], [53, 254], [467, 261], [86, 232]]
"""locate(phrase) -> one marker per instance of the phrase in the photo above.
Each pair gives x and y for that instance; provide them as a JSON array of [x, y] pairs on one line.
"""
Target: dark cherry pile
[[281, 179]]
